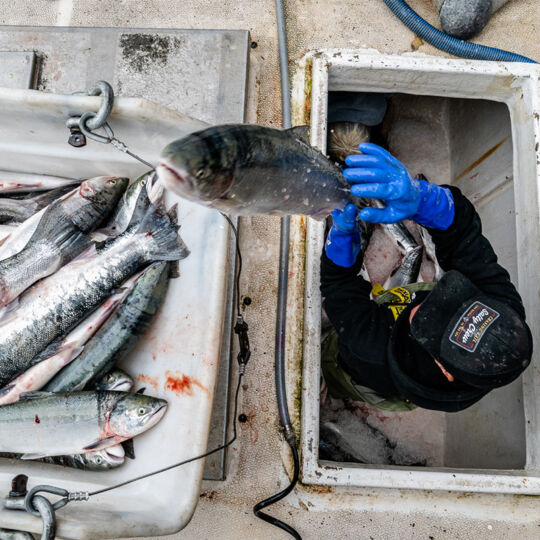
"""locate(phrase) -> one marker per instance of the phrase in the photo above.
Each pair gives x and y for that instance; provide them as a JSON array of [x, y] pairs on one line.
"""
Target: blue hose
[[447, 43]]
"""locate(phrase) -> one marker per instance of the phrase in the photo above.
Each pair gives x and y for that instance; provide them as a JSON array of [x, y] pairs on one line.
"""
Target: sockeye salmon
[[50, 308], [132, 207], [117, 380], [59, 354], [59, 236], [45, 424], [246, 169]]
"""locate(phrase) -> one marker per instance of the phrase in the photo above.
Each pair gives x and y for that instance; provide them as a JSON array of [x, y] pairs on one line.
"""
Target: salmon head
[[200, 167]]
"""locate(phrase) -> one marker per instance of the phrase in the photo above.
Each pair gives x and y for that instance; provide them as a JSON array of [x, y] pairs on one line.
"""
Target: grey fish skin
[[117, 380], [54, 305], [102, 460], [407, 272], [19, 210], [246, 169], [118, 335], [63, 424], [132, 208], [59, 236]]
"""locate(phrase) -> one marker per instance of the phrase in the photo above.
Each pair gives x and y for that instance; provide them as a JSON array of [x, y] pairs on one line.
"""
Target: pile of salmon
[[84, 268]]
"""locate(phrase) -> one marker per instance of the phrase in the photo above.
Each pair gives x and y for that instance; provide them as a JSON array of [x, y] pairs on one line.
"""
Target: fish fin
[[129, 448], [100, 236], [301, 132], [172, 212], [174, 270], [73, 245], [169, 246], [6, 389], [100, 445], [35, 455], [27, 396], [154, 189], [8, 310]]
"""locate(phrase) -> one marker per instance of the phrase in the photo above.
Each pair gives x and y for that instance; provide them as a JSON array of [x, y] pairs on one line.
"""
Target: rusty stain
[[180, 383], [152, 381], [416, 43], [481, 158], [307, 93], [248, 424]]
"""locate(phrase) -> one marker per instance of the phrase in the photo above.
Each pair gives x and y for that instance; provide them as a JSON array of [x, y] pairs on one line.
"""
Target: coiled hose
[[447, 43]]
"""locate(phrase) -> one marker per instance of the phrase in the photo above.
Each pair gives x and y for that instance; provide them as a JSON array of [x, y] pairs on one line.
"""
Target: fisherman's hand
[[343, 242], [377, 174]]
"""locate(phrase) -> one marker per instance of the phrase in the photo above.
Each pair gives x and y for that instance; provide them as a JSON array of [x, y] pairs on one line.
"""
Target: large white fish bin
[[474, 125], [178, 358]]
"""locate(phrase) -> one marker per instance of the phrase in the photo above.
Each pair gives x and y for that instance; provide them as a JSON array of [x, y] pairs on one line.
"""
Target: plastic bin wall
[[178, 357]]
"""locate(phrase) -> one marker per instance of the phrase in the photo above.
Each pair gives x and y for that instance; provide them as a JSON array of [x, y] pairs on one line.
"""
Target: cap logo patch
[[472, 325]]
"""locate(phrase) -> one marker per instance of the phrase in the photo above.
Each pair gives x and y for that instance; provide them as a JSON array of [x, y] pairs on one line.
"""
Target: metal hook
[[99, 119]]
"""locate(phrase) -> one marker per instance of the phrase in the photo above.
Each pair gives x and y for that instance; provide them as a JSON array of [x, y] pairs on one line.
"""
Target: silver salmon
[[117, 379], [59, 236], [45, 424], [119, 334], [246, 169], [54, 305], [102, 460], [15, 182], [132, 207], [19, 210], [59, 354]]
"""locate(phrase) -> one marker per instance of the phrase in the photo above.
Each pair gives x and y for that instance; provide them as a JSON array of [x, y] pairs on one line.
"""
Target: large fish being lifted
[[246, 169]]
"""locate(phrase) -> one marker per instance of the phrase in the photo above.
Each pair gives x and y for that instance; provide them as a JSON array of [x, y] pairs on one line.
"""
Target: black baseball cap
[[479, 340]]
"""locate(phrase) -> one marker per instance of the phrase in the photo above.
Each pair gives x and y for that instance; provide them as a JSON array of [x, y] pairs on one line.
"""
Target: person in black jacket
[[449, 343]]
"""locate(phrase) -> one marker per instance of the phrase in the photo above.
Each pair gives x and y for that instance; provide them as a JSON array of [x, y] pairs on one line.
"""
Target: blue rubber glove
[[377, 174], [343, 242]]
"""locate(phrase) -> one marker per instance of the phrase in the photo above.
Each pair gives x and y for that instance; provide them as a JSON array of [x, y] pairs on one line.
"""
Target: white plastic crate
[[504, 184], [182, 345]]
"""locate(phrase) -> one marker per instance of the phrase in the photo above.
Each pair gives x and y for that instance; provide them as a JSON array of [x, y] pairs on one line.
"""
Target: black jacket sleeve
[[462, 247], [363, 326]]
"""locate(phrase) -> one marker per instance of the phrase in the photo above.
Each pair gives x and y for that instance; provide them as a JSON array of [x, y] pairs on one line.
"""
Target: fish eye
[[99, 460], [141, 411], [112, 182], [200, 173]]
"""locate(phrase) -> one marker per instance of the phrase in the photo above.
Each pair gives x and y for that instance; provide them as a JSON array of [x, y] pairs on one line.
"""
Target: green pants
[[341, 386]]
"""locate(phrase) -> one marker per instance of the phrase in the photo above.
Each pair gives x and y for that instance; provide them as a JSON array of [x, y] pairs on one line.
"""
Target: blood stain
[[183, 384], [152, 381], [37, 420]]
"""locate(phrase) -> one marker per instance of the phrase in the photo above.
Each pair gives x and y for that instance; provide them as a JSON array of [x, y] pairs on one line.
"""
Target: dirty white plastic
[[178, 358], [506, 192]]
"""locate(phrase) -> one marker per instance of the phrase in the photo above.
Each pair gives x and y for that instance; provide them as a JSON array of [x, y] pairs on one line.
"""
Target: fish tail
[[167, 245]]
